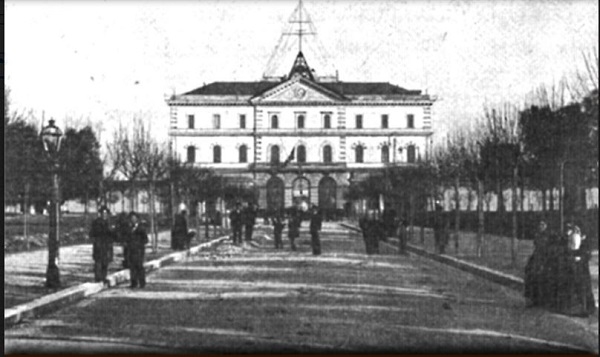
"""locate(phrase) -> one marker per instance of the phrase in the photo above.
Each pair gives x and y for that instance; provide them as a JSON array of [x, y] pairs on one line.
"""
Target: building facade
[[300, 138]]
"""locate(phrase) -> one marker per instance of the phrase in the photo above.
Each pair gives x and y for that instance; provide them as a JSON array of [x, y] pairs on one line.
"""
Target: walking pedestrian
[[137, 250], [316, 221], [102, 251], [179, 232], [249, 220], [535, 270], [235, 217], [278, 225], [295, 220]]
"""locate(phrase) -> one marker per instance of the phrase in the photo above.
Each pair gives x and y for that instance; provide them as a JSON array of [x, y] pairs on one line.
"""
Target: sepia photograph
[[301, 177]]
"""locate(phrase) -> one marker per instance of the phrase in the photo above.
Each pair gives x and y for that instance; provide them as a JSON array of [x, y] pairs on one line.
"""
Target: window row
[[299, 154], [301, 121]]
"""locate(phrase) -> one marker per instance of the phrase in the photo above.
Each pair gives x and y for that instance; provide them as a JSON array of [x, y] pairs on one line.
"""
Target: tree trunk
[[544, 206], [561, 196], [173, 203], [513, 241], [423, 214], [152, 218], [456, 211], [469, 197], [411, 216], [522, 213], [480, 217], [551, 204], [85, 208], [26, 215]]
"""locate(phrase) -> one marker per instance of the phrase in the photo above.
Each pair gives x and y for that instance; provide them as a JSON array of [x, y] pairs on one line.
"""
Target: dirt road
[[254, 299]]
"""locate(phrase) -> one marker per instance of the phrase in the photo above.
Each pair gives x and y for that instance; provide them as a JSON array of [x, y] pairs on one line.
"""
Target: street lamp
[[51, 136]]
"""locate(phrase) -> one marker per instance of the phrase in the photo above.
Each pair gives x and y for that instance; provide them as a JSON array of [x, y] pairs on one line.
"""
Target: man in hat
[[235, 216], [102, 237], [137, 249], [316, 221], [249, 218]]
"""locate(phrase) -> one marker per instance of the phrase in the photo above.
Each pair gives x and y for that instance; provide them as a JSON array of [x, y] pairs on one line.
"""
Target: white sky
[[466, 53]]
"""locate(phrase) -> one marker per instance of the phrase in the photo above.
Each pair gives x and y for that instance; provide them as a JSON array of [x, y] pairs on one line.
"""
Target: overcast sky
[[111, 60]]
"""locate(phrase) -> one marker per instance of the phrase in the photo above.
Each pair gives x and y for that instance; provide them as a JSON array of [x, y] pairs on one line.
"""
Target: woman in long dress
[[576, 296], [535, 270]]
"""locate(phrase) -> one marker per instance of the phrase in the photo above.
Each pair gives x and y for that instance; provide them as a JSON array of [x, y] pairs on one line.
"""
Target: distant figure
[[316, 221], [235, 217], [179, 232], [390, 222], [440, 230], [402, 236], [249, 217], [295, 220], [123, 233], [137, 250], [278, 229], [102, 251], [535, 270]]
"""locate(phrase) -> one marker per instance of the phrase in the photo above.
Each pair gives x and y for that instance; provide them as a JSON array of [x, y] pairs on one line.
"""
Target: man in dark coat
[[123, 233], [179, 232], [278, 229], [137, 250], [102, 237], [235, 216], [295, 221], [316, 221], [249, 220]]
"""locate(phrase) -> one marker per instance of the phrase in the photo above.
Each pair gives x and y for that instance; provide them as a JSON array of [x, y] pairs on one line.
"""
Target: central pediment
[[296, 90]]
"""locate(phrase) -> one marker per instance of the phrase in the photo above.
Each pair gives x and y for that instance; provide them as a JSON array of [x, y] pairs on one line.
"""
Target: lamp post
[[51, 136]]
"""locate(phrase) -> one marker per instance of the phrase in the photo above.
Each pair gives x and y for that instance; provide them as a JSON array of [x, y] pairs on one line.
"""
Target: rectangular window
[[242, 121], [191, 121], [410, 121], [217, 121], [359, 121], [384, 121]]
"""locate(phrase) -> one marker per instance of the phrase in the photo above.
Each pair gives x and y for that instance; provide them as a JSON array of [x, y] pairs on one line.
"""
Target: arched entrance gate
[[327, 197]]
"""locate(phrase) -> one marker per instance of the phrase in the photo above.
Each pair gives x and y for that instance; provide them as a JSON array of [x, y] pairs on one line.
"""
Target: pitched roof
[[342, 88], [233, 88], [366, 88]]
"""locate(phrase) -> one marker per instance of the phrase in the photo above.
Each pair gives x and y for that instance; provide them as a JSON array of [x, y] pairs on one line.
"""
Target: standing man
[[250, 220], [316, 221], [123, 233], [102, 251], [179, 232], [235, 216], [295, 221], [137, 250], [278, 229]]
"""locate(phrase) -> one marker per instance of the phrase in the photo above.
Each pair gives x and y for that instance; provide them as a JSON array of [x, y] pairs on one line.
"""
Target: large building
[[300, 139]]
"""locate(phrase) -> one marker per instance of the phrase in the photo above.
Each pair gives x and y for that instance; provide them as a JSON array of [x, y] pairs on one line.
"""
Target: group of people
[[243, 217], [557, 275], [294, 218], [378, 227], [129, 232]]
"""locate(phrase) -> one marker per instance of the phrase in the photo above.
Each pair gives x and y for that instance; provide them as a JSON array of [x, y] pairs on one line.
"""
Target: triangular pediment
[[298, 90]]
